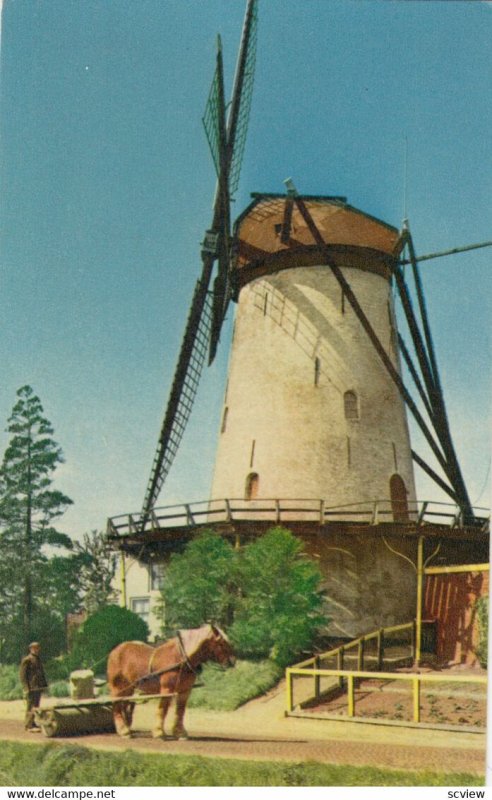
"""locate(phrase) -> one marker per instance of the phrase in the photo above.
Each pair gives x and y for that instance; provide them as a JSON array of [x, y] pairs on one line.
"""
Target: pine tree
[[29, 508]]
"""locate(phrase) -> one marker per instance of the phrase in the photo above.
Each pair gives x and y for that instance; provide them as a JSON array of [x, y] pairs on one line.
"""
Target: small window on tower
[[351, 405], [224, 419], [317, 370], [252, 486]]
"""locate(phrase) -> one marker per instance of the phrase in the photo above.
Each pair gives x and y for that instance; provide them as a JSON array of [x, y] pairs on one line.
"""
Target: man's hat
[[34, 644]]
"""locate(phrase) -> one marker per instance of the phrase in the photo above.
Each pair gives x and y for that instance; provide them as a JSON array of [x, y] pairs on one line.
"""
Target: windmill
[[226, 127], [226, 134], [316, 398]]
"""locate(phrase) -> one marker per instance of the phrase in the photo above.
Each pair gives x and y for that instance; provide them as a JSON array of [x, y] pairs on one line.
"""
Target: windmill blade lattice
[[207, 313], [238, 120], [183, 393]]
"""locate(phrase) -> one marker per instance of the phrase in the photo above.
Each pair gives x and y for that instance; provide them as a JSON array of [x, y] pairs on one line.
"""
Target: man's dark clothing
[[33, 682]]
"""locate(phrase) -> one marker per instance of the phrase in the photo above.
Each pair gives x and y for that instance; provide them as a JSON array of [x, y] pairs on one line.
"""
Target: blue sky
[[107, 188]]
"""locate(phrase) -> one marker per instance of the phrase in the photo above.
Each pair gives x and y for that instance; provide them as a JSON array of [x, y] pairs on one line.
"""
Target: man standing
[[33, 682]]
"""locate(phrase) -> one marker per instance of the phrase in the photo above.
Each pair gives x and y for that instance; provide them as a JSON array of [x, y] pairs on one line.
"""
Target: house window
[[351, 405], [252, 486], [156, 574], [141, 606]]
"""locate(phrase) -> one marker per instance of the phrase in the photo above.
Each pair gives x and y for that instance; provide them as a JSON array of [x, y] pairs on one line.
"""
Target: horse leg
[[162, 708], [120, 719], [128, 714], [179, 731]]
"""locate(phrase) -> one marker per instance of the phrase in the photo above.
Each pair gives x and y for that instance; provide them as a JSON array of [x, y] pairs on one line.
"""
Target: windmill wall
[[310, 411], [309, 408]]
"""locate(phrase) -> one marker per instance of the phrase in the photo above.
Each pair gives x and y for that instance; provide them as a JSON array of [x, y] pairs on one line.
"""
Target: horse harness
[[185, 662]]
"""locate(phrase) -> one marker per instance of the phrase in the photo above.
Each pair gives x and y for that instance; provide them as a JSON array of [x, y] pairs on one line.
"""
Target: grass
[[221, 690], [67, 765], [59, 689], [226, 690], [11, 689]]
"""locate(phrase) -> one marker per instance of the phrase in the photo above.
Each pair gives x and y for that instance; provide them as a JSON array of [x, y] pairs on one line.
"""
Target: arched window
[[351, 405], [399, 500], [252, 486]]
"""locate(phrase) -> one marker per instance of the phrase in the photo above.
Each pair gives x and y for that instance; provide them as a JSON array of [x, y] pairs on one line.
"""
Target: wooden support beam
[[413, 372], [420, 348], [393, 372], [441, 422], [287, 220], [435, 477], [449, 252]]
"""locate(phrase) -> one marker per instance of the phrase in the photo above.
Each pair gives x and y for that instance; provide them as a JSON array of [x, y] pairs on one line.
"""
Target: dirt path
[[259, 731]]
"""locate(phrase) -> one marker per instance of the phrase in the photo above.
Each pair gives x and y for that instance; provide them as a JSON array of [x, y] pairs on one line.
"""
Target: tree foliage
[[266, 594], [29, 510], [279, 609], [96, 564], [198, 584], [102, 631]]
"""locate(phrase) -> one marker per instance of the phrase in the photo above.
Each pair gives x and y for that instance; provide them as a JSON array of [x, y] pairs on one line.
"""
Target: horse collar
[[183, 652], [185, 662]]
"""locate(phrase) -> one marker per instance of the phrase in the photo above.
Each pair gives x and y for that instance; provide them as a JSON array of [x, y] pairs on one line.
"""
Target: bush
[[278, 610], [267, 595], [59, 689], [57, 669], [10, 685], [100, 633], [482, 609], [199, 583], [11, 688]]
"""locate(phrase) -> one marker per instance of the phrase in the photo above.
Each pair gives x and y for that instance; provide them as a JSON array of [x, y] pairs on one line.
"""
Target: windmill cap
[[272, 234]]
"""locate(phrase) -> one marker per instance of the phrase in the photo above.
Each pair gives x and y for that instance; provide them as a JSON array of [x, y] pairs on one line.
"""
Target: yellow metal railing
[[416, 679], [359, 644]]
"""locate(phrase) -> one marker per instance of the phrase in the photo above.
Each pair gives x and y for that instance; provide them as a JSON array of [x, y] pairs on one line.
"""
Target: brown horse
[[169, 670]]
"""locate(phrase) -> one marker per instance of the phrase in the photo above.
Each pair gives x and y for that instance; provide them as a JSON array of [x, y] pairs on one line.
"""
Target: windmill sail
[[237, 126], [235, 140], [207, 313], [194, 349]]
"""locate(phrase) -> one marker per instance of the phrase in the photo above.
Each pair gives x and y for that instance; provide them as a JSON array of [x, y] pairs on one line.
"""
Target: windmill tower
[[310, 411], [314, 431]]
